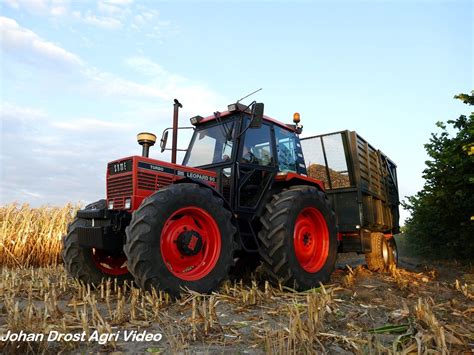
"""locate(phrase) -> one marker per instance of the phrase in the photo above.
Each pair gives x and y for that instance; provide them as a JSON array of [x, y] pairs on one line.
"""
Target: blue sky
[[79, 79]]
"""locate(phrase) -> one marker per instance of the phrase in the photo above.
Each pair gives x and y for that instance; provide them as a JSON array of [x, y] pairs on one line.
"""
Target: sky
[[79, 79]]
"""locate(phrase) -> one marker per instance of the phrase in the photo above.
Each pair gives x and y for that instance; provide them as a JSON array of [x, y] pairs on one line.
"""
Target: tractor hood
[[130, 180]]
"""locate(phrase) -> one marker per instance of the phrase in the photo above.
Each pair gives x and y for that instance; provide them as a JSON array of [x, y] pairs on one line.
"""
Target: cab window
[[286, 150], [211, 144], [257, 147]]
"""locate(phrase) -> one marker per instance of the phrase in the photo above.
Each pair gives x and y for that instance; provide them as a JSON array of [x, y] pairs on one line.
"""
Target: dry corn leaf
[[450, 338]]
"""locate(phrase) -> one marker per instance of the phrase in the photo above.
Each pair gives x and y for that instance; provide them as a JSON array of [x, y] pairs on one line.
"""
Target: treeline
[[442, 213]]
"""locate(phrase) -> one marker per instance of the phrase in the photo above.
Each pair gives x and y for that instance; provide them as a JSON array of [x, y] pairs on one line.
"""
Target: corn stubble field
[[408, 310]]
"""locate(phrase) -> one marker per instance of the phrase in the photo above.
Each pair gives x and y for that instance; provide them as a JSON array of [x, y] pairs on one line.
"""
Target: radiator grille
[[153, 182], [118, 189]]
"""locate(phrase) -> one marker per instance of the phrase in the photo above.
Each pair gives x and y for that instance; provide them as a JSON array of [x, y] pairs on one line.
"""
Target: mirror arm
[[164, 138]]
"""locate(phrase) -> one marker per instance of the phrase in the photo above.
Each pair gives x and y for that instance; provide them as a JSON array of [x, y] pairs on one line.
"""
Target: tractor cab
[[247, 150]]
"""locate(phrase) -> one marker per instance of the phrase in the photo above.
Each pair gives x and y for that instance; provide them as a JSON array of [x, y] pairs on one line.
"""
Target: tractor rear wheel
[[384, 253], [182, 236], [91, 265], [298, 238]]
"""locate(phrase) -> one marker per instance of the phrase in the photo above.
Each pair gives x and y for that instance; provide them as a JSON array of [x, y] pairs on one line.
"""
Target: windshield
[[211, 145]]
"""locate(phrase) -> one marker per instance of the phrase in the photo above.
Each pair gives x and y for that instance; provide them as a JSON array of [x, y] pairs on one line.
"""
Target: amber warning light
[[296, 117]]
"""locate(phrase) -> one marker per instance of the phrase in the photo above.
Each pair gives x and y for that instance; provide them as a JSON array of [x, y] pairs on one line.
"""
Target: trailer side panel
[[360, 181]]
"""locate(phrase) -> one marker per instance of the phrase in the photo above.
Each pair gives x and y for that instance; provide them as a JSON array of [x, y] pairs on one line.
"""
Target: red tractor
[[243, 192]]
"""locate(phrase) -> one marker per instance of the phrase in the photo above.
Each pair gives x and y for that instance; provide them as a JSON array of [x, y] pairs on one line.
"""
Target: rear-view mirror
[[257, 115], [164, 140]]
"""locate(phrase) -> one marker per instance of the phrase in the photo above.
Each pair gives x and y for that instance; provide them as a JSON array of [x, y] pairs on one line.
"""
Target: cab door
[[256, 166]]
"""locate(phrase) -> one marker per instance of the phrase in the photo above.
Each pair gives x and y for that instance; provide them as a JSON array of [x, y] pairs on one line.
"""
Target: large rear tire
[[91, 265], [182, 236], [298, 238], [384, 253]]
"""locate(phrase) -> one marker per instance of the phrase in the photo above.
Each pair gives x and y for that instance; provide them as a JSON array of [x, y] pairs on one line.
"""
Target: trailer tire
[[384, 253], [181, 237], [298, 239], [82, 263]]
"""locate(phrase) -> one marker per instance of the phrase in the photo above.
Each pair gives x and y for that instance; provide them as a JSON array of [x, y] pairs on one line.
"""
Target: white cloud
[[158, 82], [139, 20], [58, 11], [23, 43], [30, 194], [59, 160], [53, 7], [105, 14], [108, 84], [115, 11], [109, 8], [196, 94], [145, 66], [9, 111], [12, 3], [109, 23], [119, 2], [150, 14], [91, 124], [146, 21], [17, 39], [65, 160]]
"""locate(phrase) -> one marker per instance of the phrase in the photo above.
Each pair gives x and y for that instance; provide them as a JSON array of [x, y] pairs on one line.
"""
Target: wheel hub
[[189, 243], [307, 239]]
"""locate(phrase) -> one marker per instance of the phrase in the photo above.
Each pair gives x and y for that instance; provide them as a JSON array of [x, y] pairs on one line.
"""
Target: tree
[[440, 224]]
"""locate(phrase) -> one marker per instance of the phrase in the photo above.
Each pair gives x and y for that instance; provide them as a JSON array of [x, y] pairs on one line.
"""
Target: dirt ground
[[419, 307]]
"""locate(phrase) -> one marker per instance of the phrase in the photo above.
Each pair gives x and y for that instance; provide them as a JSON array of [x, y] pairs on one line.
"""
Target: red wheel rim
[[113, 265], [203, 229], [311, 239]]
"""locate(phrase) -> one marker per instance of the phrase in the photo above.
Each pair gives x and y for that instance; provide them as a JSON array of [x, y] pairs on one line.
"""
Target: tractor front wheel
[[182, 236], [91, 265], [298, 240]]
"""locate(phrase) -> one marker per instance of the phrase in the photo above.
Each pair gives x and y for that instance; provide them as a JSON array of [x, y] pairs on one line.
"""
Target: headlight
[[111, 205], [195, 120], [128, 203]]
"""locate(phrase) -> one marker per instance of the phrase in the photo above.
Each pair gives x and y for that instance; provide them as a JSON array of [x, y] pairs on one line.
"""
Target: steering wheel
[[250, 158]]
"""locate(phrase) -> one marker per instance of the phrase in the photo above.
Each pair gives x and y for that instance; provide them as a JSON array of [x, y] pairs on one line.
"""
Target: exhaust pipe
[[146, 140], [174, 147]]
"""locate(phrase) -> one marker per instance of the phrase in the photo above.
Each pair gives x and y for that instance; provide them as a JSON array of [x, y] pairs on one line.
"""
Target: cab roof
[[265, 118]]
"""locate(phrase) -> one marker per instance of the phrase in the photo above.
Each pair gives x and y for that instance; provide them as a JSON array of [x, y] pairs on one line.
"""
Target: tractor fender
[[203, 184], [291, 179]]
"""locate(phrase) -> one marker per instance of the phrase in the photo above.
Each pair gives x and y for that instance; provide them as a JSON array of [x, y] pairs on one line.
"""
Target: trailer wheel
[[384, 253], [298, 238], [182, 236], [91, 265]]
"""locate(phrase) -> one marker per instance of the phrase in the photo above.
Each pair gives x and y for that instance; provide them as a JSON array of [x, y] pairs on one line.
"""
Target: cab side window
[[257, 147], [286, 148]]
